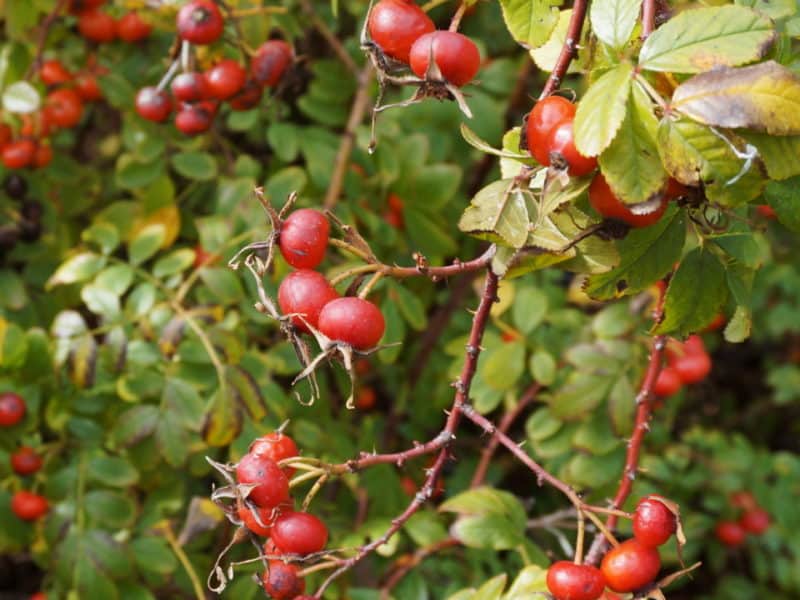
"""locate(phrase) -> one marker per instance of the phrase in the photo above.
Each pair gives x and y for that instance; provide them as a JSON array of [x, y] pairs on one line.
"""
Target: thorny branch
[[569, 49]]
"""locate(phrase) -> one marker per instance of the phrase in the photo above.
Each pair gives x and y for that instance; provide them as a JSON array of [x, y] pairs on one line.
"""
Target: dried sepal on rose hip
[[267, 483]]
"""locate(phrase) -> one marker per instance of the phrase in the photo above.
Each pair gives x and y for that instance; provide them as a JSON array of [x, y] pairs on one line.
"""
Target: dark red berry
[[755, 521], [692, 368], [305, 293], [248, 97], [25, 461], [304, 238], [132, 28], [544, 116], [270, 61], [195, 118], [299, 533], [19, 154], [272, 486], [12, 409], [568, 581], [190, 87], [630, 566], [668, 383], [28, 506], [394, 25], [455, 54], [653, 522], [730, 533], [281, 581], [200, 22], [153, 104], [225, 79], [97, 26], [64, 107], [53, 72], [15, 186], [605, 202], [353, 321], [87, 88], [276, 447]]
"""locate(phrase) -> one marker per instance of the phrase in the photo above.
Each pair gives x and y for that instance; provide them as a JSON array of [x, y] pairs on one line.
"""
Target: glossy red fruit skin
[[25, 461], [653, 522], [270, 62], [455, 54], [200, 22], [304, 238], [195, 118], [64, 108], [299, 533], [225, 79], [692, 368], [630, 566], [561, 141], [87, 88], [305, 292], [273, 485], [248, 97], [544, 116], [281, 581], [353, 321], [668, 383], [12, 409], [675, 189], [755, 521], [190, 87], [28, 506], [276, 447], [132, 28], [19, 154], [53, 72], [730, 533], [609, 206], [568, 581], [97, 26], [267, 516], [153, 104], [394, 25]]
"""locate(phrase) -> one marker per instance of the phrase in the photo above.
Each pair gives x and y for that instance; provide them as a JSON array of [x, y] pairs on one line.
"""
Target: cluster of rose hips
[[197, 95], [687, 363], [25, 461], [100, 27], [628, 567], [310, 299], [407, 35], [28, 226], [268, 511], [753, 520]]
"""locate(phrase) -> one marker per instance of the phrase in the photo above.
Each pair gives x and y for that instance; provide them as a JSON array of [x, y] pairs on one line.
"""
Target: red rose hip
[[276, 447], [29, 506], [190, 87], [568, 581], [544, 116], [97, 26], [272, 486], [605, 202], [266, 515], [12, 409], [755, 521], [630, 566], [668, 383], [153, 104], [299, 533], [353, 321], [200, 22], [25, 461], [305, 292], [653, 522], [730, 533], [560, 145], [304, 238], [270, 62], [131, 28], [225, 79], [455, 54], [281, 581], [394, 25]]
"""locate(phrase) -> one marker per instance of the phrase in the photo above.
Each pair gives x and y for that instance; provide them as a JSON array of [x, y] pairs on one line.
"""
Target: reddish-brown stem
[[455, 22], [397, 458], [405, 563], [505, 423], [44, 30], [330, 37], [568, 50], [648, 18], [462, 385]]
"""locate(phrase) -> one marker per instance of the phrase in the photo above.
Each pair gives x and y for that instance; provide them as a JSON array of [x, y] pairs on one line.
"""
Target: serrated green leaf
[[784, 197], [497, 213], [134, 425], [502, 367], [580, 394], [199, 166], [486, 501], [174, 262], [529, 581], [146, 243], [542, 425], [112, 471], [602, 109], [492, 531], [78, 268], [529, 308], [613, 20], [780, 154], [530, 22]]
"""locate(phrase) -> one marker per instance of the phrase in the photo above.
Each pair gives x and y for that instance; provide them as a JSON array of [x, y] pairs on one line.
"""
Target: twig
[[357, 113], [44, 30], [569, 48], [648, 18], [330, 37], [197, 587], [408, 562], [456, 20]]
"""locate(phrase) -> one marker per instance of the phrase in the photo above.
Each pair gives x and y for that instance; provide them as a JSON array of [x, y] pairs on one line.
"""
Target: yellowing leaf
[[530, 22], [763, 97], [602, 110], [613, 20], [497, 213]]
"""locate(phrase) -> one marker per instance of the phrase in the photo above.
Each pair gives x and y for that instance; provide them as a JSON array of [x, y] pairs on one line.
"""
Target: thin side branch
[[44, 30], [569, 49], [330, 37], [648, 18]]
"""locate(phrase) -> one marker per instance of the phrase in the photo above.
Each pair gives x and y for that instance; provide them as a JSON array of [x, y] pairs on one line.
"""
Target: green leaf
[[487, 501], [739, 325], [543, 367], [199, 166], [134, 425], [580, 394], [78, 268], [530, 22], [542, 425], [172, 439], [223, 420], [90, 582], [700, 39], [780, 154], [763, 97], [21, 98], [503, 365], [104, 235], [695, 295], [174, 262], [529, 308], [530, 581], [497, 213], [116, 278], [246, 391], [425, 528], [223, 283], [411, 307], [491, 531], [595, 435], [593, 471], [146, 243], [647, 254], [492, 589], [601, 111], [613, 20], [631, 164], [132, 173], [109, 509], [784, 197], [153, 555], [473, 140], [621, 406], [112, 471], [101, 301]]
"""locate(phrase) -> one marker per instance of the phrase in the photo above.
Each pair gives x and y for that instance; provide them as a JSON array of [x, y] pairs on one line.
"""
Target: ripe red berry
[[366, 398], [190, 87], [394, 25], [87, 88], [276, 447], [609, 206], [730, 533], [153, 104], [568, 581], [270, 61], [694, 345], [353, 321], [195, 118], [5, 134], [281, 581], [97, 26], [304, 238], [64, 107], [560, 144], [200, 22], [668, 383], [455, 54], [766, 211], [225, 79], [755, 521], [19, 154], [25, 461], [132, 28], [630, 566], [272, 484], [248, 97], [267, 516], [78, 6], [53, 72], [544, 116], [299, 533], [692, 368], [28, 506], [305, 293], [653, 522]]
